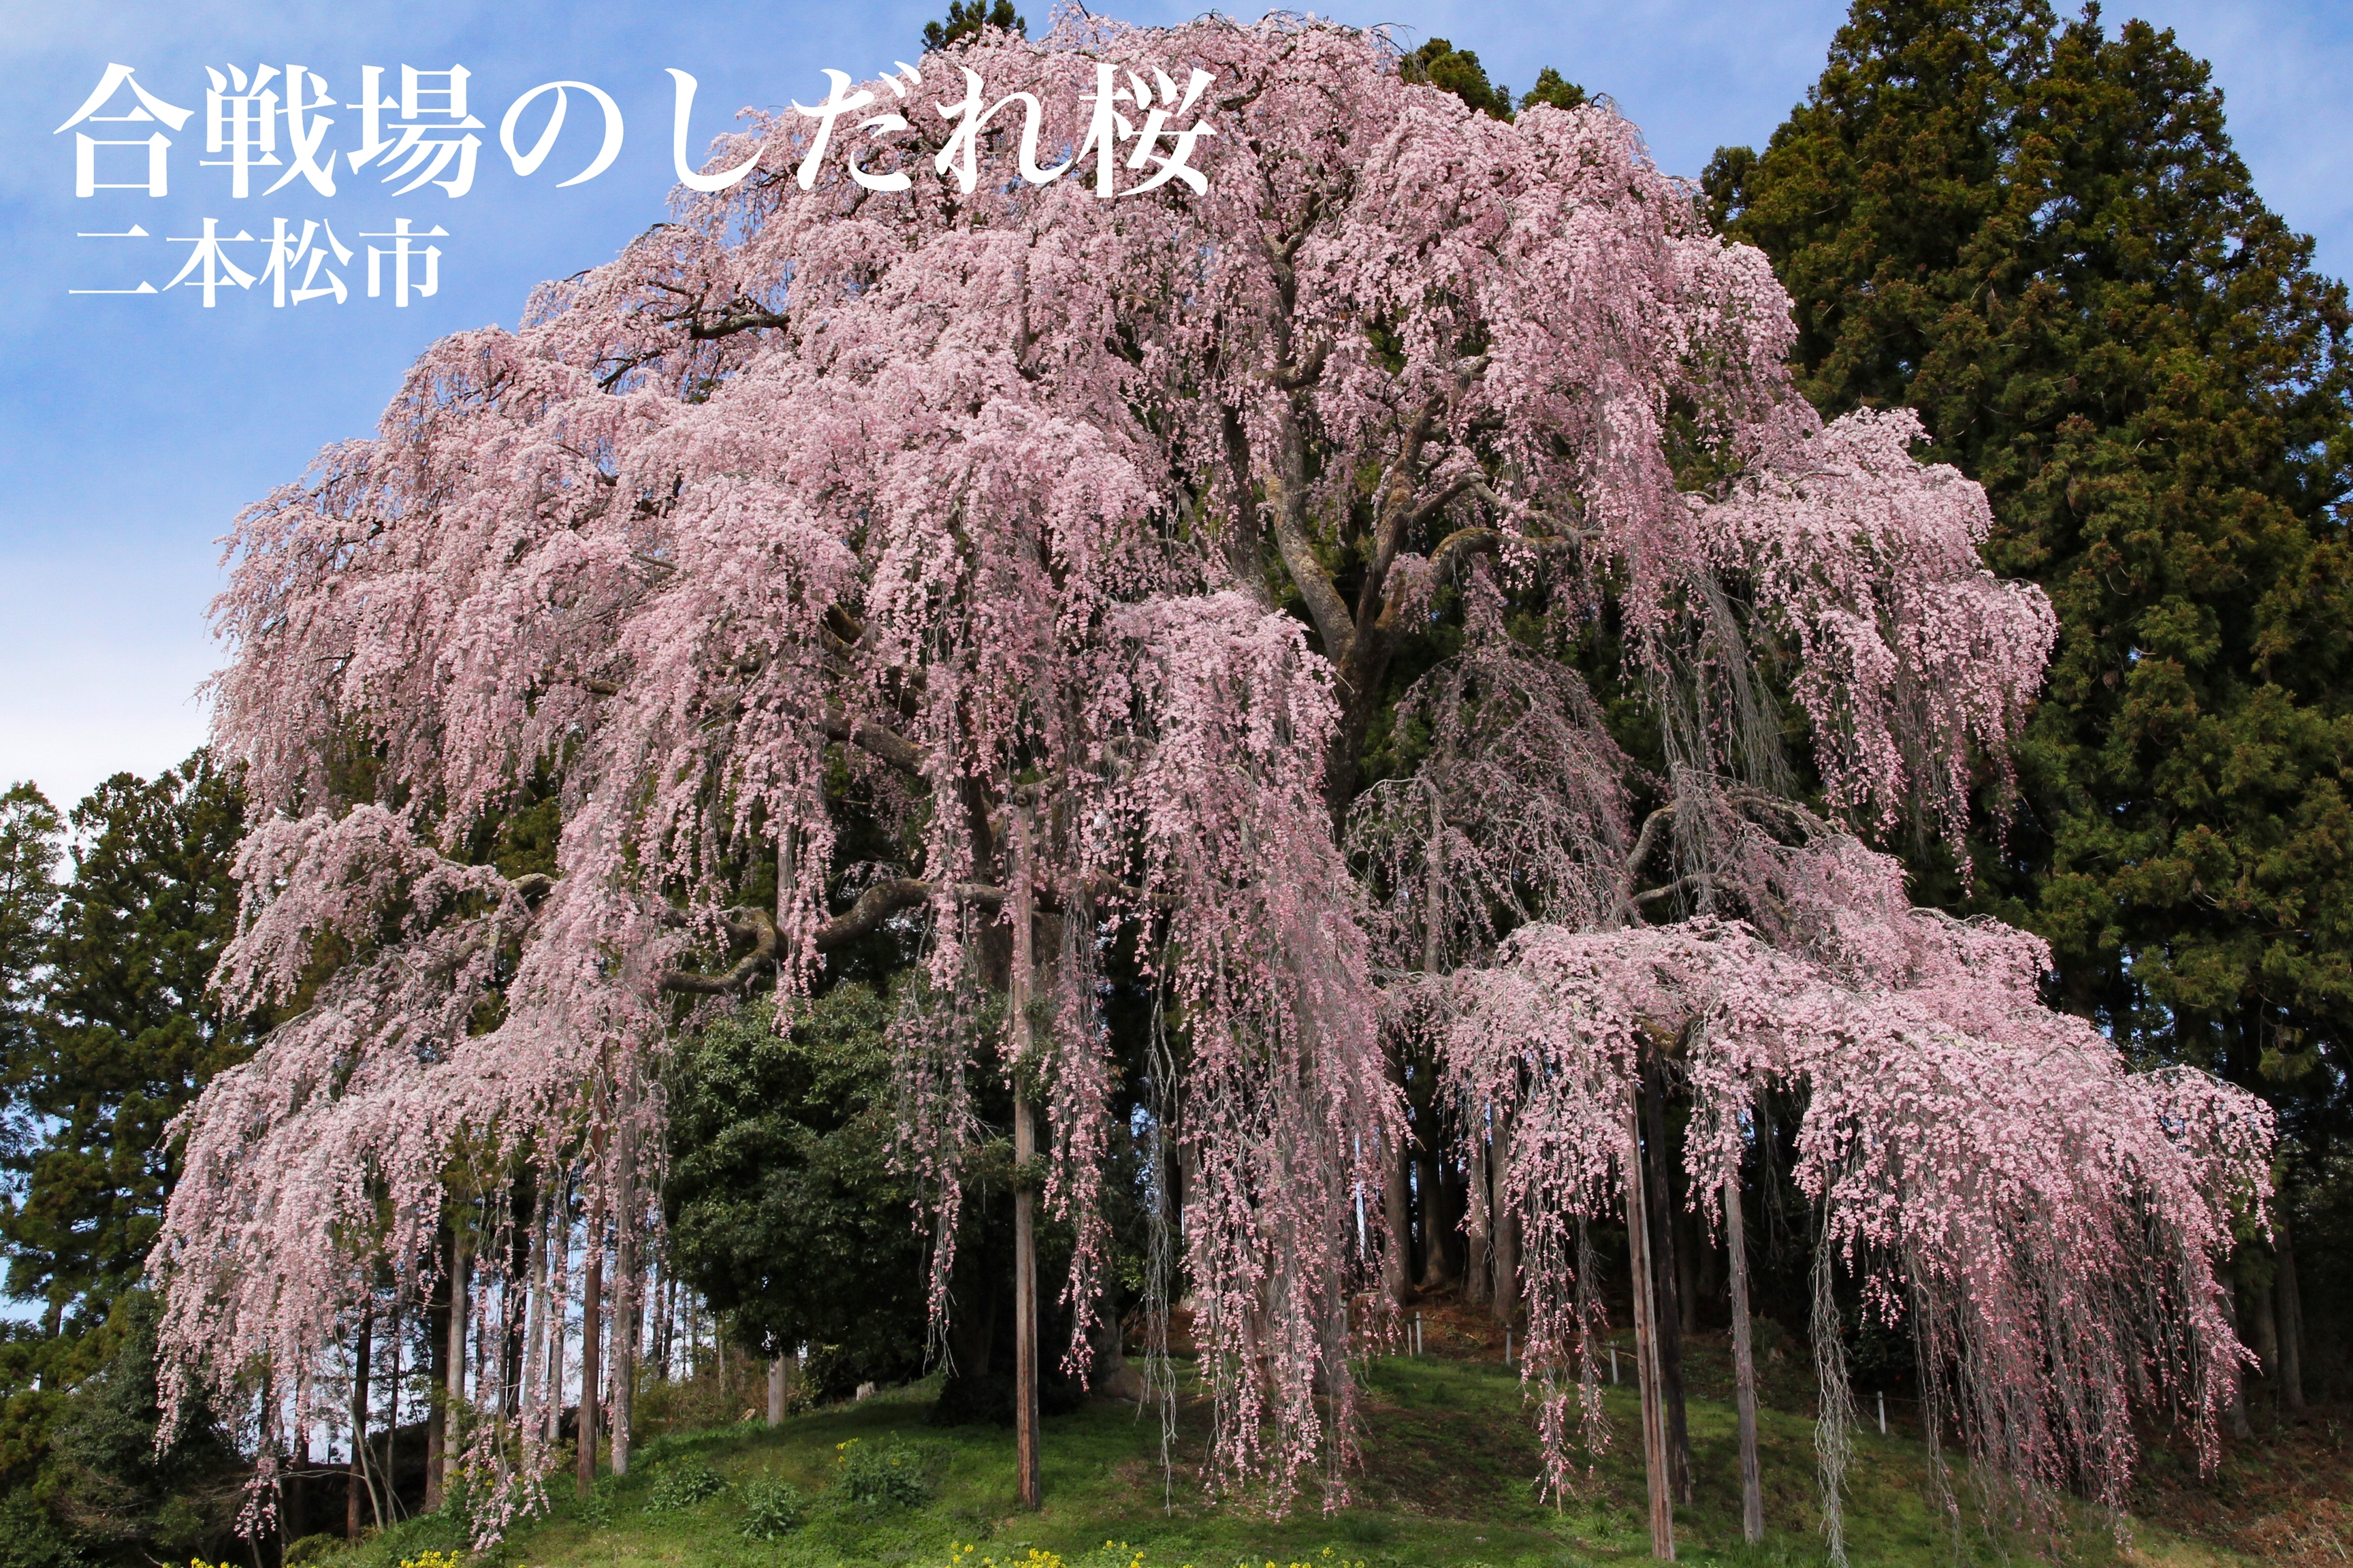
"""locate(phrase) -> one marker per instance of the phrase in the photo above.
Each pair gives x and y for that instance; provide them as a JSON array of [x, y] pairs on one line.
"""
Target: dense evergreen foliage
[[2037, 234], [125, 1036], [105, 1033], [784, 1212], [966, 17], [2033, 232]]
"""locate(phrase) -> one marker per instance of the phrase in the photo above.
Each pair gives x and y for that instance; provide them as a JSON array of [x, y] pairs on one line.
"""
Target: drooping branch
[[874, 905]]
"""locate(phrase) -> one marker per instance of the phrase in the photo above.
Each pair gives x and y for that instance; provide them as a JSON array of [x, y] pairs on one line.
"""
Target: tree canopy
[[1079, 525], [2040, 238]]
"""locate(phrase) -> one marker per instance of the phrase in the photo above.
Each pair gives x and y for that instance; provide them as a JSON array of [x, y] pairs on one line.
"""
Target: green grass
[[1450, 1460]]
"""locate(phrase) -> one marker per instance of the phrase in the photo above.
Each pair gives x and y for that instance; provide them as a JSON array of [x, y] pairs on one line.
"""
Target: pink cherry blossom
[[1008, 515]]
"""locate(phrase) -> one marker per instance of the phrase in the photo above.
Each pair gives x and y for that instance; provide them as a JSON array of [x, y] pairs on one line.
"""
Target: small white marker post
[[1507, 1347], [1417, 1333], [1613, 1366], [1883, 1413]]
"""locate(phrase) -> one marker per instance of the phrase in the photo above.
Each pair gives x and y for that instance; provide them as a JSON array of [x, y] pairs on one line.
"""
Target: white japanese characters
[[268, 128], [1158, 103]]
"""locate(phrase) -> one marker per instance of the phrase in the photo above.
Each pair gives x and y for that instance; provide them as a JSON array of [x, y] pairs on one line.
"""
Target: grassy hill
[[1449, 1463]]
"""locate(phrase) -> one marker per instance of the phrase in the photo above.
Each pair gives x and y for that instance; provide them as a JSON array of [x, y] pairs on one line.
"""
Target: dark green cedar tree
[[125, 1037], [2037, 234], [966, 17]]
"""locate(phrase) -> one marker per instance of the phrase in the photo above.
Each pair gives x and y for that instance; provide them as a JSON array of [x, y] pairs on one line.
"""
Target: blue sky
[[135, 426]]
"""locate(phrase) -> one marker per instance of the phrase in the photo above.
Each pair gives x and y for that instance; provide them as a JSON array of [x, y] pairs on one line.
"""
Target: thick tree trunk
[[2287, 1301], [1743, 1361], [1478, 1262], [1397, 1204], [1670, 1315], [777, 1365], [592, 1327], [1506, 1243], [1429, 1186], [1643, 1275], [1027, 1462]]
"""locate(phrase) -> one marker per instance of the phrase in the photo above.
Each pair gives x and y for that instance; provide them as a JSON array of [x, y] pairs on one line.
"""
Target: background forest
[[2029, 229]]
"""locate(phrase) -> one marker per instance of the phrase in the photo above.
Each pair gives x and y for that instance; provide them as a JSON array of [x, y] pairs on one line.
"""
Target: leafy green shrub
[[681, 1483], [773, 1507], [595, 1509], [880, 1476]]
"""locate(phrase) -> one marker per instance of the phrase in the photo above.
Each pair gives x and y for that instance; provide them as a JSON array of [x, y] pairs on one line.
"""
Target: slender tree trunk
[[391, 1415], [1029, 1468], [777, 1365], [1437, 1223], [1506, 1243], [1743, 1361], [1478, 1262], [296, 1522], [2240, 1425], [665, 1321], [1646, 1344], [2267, 1337], [437, 1411], [559, 1309], [357, 1480], [1687, 1284], [2287, 1301], [534, 1326], [625, 1299], [453, 1420], [592, 1326], [1670, 1315]]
